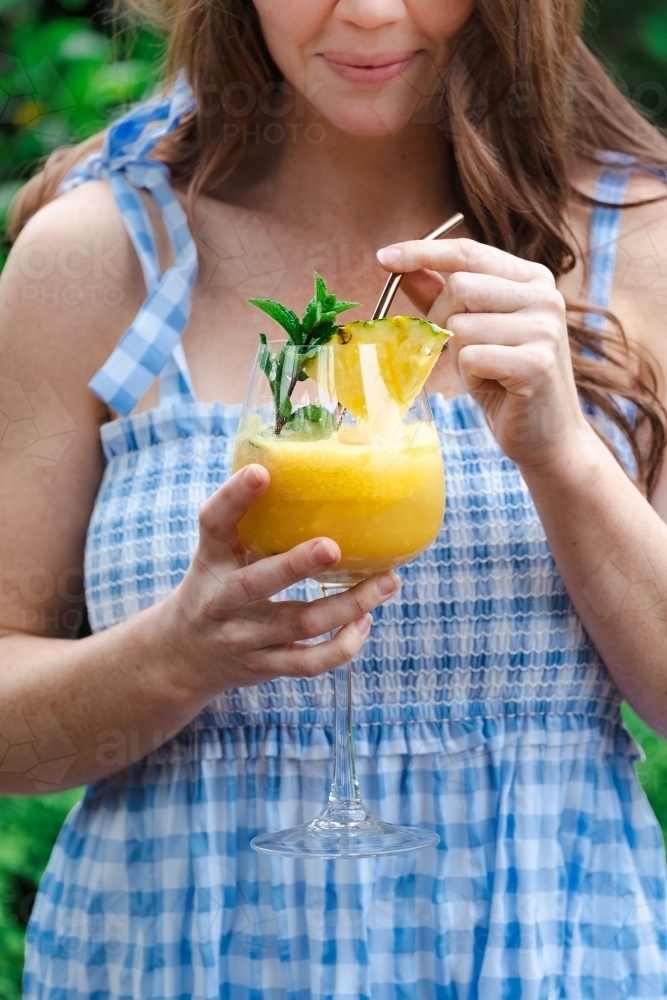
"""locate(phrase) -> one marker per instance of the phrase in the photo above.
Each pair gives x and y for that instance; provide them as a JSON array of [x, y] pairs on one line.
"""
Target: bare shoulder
[[642, 241], [74, 258], [81, 212], [640, 280], [639, 291], [71, 286]]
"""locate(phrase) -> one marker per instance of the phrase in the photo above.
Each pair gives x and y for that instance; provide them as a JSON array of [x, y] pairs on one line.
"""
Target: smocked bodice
[[482, 625]]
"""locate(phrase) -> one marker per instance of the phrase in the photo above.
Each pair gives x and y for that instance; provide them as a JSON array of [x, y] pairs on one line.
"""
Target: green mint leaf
[[312, 316], [318, 414], [264, 359], [284, 369], [282, 315], [321, 335], [341, 306], [285, 408], [321, 293], [311, 423]]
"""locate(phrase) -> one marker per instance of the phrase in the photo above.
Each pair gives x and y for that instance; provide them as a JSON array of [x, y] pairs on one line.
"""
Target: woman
[[302, 134]]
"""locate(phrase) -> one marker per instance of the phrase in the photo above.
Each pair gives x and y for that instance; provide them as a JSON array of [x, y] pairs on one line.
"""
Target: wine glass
[[345, 462]]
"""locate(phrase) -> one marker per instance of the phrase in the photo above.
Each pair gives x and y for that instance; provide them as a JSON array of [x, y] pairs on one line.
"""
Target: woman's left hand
[[510, 347]]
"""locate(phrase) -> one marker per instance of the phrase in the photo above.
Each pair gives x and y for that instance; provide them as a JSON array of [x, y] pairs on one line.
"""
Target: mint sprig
[[315, 329]]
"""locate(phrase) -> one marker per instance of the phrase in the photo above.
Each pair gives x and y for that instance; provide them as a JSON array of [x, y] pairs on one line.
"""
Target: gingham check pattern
[[547, 884], [151, 346], [482, 711]]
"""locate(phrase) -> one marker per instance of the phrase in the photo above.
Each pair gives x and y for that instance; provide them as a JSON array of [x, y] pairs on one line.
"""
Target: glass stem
[[344, 787]]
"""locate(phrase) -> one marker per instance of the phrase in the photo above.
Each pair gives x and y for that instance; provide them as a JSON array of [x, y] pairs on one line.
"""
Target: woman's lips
[[368, 69]]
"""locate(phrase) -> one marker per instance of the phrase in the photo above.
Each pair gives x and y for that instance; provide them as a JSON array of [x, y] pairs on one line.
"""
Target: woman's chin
[[366, 120]]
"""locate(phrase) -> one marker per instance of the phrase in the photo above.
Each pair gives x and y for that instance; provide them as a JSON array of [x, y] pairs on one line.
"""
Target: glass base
[[344, 830]]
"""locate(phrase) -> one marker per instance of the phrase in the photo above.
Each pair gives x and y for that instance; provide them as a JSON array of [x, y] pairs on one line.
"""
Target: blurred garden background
[[62, 78]]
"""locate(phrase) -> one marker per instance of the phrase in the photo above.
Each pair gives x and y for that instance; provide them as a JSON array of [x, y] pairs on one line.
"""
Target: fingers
[[310, 661], [483, 293], [460, 255], [422, 288], [508, 330], [274, 623], [222, 511], [487, 368], [266, 577]]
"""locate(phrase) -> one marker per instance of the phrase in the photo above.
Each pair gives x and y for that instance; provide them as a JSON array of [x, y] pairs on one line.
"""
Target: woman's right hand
[[219, 625]]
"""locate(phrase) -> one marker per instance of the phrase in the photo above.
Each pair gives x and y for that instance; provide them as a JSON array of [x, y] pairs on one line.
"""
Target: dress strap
[[151, 347], [610, 188]]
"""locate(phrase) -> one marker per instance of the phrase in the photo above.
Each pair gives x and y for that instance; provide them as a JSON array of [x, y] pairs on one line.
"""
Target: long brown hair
[[523, 98]]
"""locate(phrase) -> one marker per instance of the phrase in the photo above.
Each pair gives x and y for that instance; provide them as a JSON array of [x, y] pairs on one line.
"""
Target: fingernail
[[324, 552], [252, 477], [363, 625], [389, 583], [388, 255]]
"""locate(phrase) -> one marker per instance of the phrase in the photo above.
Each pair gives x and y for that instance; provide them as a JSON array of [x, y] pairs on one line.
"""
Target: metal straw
[[394, 280]]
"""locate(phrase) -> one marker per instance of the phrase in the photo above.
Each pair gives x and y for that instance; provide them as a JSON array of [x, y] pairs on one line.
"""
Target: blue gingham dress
[[482, 711]]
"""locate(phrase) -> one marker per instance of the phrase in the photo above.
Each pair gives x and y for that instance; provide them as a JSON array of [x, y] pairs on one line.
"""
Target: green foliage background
[[62, 79]]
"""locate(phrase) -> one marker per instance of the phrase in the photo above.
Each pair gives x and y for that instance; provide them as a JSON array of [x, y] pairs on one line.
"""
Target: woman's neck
[[386, 188]]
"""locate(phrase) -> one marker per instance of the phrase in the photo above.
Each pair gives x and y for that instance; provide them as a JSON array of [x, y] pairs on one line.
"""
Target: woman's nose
[[369, 14]]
